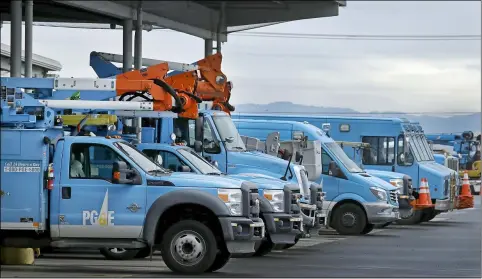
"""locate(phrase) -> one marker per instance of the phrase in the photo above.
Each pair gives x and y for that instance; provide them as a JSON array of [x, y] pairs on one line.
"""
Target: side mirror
[[120, 174], [334, 169], [184, 169], [215, 163], [298, 156], [401, 158], [229, 139], [199, 125], [198, 146]]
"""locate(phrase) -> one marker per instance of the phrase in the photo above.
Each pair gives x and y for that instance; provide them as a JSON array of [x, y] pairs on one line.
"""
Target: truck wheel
[[368, 228], [349, 219], [263, 247], [119, 254], [288, 246], [222, 258], [143, 253], [428, 215], [189, 247], [412, 218]]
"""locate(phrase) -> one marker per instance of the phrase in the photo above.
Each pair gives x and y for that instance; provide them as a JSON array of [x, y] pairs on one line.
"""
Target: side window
[[92, 161], [381, 151], [184, 130], [171, 161], [154, 155], [325, 161], [210, 143]]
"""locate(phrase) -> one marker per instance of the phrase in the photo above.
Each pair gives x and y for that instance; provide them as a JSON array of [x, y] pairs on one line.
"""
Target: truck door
[[90, 205]]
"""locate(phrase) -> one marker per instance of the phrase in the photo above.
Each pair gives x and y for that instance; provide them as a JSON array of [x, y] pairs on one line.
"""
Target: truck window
[[381, 151], [210, 142], [92, 161], [325, 161], [186, 128], [166, 159]]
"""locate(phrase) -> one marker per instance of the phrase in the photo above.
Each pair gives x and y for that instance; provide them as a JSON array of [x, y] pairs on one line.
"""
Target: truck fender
[[343, 197], [168, 200]]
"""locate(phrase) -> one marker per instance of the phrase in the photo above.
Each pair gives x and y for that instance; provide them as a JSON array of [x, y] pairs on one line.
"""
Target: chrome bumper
[[381, 213], [442, 205]]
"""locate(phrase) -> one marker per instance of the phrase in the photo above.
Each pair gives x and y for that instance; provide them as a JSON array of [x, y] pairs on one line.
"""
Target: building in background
[[41, 66]]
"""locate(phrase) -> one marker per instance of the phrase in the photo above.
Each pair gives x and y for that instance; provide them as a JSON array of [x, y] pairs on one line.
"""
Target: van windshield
[[343, 158]]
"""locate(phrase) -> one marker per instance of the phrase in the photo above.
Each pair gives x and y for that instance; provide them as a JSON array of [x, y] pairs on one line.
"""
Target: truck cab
[[279, 207], [214, 135], [351, 193]]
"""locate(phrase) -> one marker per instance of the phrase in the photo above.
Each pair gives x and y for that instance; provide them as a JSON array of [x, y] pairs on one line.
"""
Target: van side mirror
[[198, 146], [184, 169], [198, 128], [122, 175], [334, 169]]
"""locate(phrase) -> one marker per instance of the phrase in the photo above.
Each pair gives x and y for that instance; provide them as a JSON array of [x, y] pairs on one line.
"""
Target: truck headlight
[[276, 199], [397, 183], [233, 200], [379, 193]]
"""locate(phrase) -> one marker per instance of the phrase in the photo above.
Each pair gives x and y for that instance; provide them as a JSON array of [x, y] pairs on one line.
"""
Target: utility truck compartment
[[24, 161]]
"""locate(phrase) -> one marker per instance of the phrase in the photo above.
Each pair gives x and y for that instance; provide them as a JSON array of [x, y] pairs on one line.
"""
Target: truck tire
[[189, 246], [349, 219], [119, 254], [428, 215], [368, 228], [413, 218], [288, 246], [263, 247], [143, 253], [222, 258]]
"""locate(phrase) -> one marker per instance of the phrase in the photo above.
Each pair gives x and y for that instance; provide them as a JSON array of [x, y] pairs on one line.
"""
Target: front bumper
[[282, 228], [443, 205], [475, 185], [241, 234], [311, 215], [381, 213]]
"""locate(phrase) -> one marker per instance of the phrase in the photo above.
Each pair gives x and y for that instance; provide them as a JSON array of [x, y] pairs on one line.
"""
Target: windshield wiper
[[237, 147], [213, 173], [156, 171]]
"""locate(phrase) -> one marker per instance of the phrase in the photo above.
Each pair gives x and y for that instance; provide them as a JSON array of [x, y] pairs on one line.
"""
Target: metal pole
[[127, 45], [220, 26], [138, 61], [28, 37], [138, 39], [16, 38], [208, 47]]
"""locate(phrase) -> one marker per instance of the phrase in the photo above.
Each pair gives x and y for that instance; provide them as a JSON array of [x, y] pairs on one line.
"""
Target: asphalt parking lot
[[447, 246]]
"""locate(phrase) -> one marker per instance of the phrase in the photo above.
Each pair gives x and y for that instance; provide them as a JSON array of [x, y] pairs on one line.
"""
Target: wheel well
[[189, 211], [340, 203]]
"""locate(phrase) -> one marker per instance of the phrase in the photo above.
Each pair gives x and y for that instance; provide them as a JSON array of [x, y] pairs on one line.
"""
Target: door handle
[[66, 193]]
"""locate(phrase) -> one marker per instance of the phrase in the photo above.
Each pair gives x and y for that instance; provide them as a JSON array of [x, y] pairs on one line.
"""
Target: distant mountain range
[[430, 123]]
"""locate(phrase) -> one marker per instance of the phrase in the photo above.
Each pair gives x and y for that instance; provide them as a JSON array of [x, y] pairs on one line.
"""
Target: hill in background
[[430, 123]]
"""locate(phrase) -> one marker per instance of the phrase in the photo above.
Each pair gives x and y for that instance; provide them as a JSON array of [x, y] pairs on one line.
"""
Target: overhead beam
[[122, 12], [293, 11]]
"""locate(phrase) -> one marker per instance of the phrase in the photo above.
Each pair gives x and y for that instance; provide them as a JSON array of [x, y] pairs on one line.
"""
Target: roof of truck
[[393, 119]]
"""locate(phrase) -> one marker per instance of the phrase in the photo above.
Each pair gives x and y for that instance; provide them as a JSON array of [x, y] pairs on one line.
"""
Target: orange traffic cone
[[424, 200], [465, 198]]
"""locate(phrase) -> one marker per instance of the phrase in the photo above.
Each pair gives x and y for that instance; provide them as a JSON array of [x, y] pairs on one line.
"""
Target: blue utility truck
[[197, 222], [396, 145], [279, 208], [355, 201], [463, 144]]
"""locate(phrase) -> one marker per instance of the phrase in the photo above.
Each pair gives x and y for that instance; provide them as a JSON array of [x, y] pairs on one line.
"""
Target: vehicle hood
[[198, 180], [263, 181], [365, 178], [263, 163], [442, 169], [385, 174]]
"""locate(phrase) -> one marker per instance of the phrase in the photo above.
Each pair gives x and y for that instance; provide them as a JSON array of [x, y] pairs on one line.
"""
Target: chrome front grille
[[393, 197], [453, 164], [446, 187]]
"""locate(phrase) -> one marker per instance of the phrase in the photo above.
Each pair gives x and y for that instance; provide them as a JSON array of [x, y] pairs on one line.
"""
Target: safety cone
[[424, 200], [465, 198]]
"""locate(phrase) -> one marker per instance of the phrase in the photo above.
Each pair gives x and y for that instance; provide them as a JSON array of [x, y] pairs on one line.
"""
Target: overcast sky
[[410, 76]]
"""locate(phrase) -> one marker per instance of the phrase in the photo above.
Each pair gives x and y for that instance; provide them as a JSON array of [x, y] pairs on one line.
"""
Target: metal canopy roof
[[197, 18]]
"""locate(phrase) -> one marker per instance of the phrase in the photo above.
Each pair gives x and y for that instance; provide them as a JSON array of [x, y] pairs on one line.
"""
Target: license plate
[[295, 219]]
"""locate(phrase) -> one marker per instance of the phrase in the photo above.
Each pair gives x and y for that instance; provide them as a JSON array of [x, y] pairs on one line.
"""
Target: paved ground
[[448, 246]]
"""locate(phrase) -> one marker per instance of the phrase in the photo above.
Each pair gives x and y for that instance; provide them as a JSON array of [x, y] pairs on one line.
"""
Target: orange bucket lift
[[424, 200], [465, 199]]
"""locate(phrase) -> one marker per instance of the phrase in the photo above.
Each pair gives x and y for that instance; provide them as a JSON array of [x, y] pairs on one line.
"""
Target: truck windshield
[[140, 159], [421, 153], [342, 157], [228, 133], [199, 162], [415, 148], [425, 144]]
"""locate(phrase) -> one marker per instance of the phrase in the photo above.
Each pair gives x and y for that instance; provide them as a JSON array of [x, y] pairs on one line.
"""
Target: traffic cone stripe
[[424, 199], [465, 199]]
